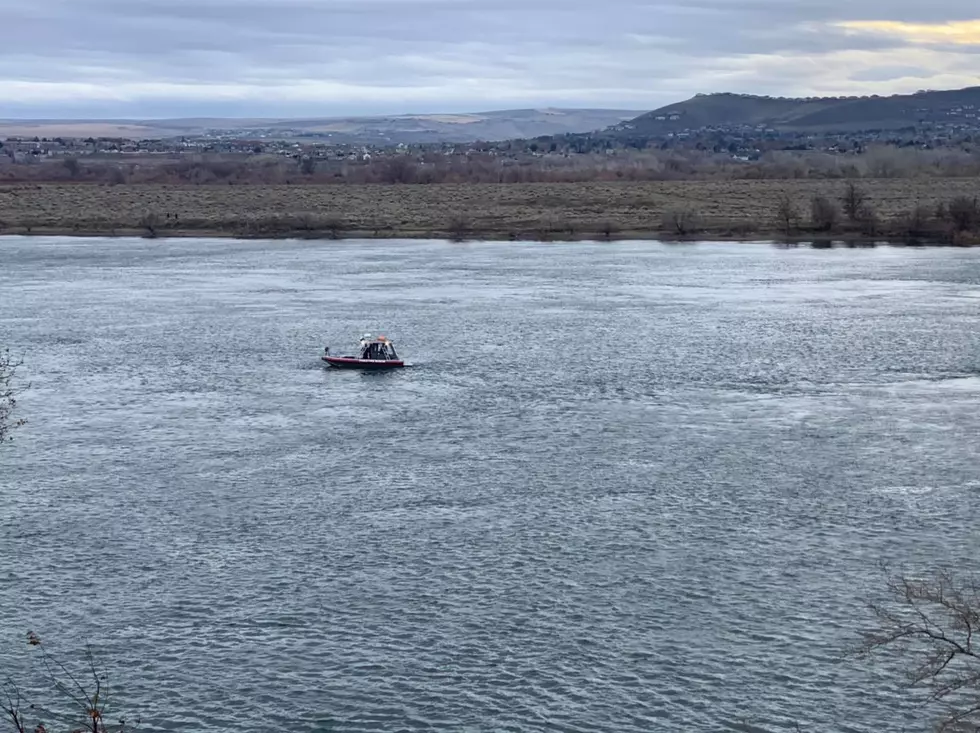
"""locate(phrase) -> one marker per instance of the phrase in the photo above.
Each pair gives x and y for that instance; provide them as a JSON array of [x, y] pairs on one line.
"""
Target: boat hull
[[352, 362]]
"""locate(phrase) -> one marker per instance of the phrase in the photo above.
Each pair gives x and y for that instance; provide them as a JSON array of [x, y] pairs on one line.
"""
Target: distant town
[[741, 142], [807, 137]]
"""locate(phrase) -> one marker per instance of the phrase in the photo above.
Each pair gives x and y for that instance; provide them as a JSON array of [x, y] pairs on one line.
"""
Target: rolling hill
[[811, 114], [421, 128]]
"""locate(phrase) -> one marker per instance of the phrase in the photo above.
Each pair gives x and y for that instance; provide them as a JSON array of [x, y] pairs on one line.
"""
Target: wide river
[[624, 487]]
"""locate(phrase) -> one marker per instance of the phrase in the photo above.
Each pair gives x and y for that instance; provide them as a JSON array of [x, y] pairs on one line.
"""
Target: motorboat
[[374, 353]]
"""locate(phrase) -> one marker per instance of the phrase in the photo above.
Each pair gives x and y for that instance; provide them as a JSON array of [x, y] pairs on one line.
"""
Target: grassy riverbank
[[889, 209]]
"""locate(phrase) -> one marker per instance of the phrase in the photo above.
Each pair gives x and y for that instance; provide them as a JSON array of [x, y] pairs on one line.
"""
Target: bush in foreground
[[80, 698], [8, 396], [932, 623]]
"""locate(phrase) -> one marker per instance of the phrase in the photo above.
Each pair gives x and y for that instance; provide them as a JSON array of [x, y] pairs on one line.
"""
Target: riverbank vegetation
[[943, 210], [510, 162]]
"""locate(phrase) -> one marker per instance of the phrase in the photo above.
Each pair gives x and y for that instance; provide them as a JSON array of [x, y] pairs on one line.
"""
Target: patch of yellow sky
[[957, 32]]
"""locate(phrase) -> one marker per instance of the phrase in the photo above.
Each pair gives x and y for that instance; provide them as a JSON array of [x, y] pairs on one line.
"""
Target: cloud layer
[[321, 57]]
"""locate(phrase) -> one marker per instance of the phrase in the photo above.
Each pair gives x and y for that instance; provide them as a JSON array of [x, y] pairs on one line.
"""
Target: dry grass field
[[743, 209]]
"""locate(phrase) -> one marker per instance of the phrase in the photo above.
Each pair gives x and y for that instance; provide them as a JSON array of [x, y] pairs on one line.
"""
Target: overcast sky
[[172, 58]]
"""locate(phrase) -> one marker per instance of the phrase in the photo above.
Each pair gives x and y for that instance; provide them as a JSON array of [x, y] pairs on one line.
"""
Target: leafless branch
[[930, 622], [90, 704], [8, 395], [11, 706]]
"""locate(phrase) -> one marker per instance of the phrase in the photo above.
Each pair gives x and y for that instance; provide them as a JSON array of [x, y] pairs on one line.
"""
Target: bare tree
[[682, 221], [8, 396], [151, 222], [933, 623], [72, 166], [854, 200], [787, 216], [307, 165], [964, 212]]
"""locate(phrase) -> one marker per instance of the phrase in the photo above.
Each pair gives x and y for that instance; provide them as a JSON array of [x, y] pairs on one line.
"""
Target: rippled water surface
[[625, 487]]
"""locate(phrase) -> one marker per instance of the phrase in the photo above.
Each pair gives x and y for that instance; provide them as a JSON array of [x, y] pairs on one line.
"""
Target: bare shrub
[[787, 215], [273, 225], [889, 162], [307, 165], [550, 228], [309, 224], [332, 225], [82, 701], [867, 219], [305, 222], [607, 229], [72, 165], [823, 214], [115, 176], [743, 227], [931, 623], [853, 201], [682, 221], [916, 223], [964, 239], [150, 221], [964, 213], [458, 227], [399, 169]]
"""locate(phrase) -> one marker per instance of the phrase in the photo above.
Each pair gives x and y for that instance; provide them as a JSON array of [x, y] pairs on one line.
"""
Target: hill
[[420, 128], [810, 114]]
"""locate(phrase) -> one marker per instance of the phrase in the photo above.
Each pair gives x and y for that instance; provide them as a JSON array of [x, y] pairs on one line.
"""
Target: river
[[623, 487]]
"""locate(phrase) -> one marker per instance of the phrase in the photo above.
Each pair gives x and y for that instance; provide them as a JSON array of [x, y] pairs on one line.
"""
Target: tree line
[[494, 167]]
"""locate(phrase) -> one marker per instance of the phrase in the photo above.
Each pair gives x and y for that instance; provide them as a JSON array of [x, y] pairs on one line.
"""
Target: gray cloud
[[287, 57]]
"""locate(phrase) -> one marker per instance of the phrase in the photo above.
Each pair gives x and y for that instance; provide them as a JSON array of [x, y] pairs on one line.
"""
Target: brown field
[[74, 129], [739, 209]]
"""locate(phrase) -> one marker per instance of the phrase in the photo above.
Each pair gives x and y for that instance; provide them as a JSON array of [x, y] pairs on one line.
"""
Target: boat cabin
[[374, 353], [380, 349]]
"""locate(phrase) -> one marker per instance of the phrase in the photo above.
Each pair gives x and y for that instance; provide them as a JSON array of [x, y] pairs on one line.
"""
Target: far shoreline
[[924, 211], [706, 237]]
